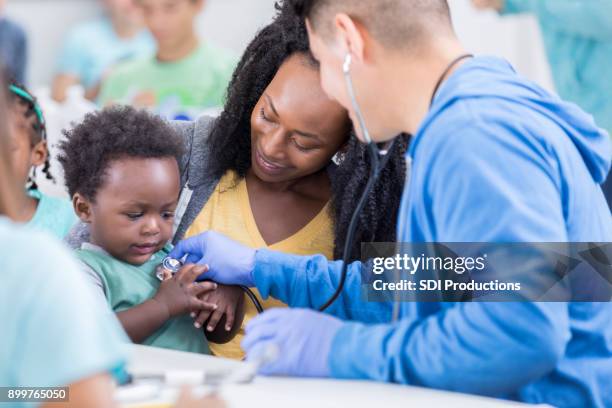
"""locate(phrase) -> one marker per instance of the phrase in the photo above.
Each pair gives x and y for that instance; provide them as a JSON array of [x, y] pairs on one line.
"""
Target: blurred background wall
[[228, 23], [232, 23]]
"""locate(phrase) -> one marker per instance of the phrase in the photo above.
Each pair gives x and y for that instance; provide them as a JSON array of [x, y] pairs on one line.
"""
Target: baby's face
[[133, 212]]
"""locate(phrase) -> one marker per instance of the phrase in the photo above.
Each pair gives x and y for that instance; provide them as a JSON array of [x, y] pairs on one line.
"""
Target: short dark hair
[[395, 23], [111, 134]]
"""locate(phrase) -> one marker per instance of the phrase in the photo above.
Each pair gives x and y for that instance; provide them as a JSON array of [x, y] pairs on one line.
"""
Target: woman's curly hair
[[230, 141]]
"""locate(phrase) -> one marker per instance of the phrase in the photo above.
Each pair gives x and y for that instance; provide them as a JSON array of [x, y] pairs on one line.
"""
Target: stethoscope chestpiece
[[168, 268]]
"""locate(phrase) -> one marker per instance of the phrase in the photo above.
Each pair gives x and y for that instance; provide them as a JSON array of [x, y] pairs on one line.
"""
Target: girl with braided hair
[[30, 152]]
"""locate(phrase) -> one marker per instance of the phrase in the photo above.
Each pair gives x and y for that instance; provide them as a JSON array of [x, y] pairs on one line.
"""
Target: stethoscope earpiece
[[346, 67]]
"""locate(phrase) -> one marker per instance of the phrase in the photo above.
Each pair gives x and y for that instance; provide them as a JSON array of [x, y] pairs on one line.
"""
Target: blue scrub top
[[497, 159], [52, 334]]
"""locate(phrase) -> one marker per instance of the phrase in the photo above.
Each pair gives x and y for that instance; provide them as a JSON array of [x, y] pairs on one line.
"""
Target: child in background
[[186, 75], [92, 48], [121, 168], [29, 151]]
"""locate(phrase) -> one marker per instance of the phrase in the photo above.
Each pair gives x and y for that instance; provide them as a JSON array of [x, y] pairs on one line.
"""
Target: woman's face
[[295, 128]]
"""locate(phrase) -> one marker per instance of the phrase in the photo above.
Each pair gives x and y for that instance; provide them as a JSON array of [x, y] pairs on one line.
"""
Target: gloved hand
[[303, 338], [229, 262]]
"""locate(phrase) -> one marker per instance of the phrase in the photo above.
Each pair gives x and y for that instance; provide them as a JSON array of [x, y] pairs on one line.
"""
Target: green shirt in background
[[181, 89]]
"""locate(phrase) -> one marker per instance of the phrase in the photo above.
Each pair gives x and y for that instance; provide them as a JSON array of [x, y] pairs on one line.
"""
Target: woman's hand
[[221, 325], [181, 294]]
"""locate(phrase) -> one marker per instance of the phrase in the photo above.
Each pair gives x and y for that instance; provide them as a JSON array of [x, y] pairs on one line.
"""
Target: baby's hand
[[230, 313], [181, 294]]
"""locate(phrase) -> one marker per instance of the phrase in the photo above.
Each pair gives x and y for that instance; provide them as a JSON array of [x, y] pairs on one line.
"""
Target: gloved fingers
[[270, 316], [180, 249], [256, 333], [193, 246], [258, 351], [273, 368], [192, 259]]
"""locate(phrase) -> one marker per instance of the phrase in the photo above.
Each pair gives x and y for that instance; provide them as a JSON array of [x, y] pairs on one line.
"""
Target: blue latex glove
[[229, 262], [303, 337]]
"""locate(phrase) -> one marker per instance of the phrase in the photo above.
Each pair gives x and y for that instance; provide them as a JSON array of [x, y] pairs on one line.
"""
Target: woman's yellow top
[[228, 211]]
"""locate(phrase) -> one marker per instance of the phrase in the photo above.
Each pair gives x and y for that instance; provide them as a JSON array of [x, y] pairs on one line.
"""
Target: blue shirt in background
[[578, 39], [52, 332], [54, 215], [497, 159], [13, 49], [92, 48]]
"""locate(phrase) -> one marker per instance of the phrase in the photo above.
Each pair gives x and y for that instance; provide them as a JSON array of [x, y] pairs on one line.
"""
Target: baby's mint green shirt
[[578, 39], [126, 286], [53, 215]]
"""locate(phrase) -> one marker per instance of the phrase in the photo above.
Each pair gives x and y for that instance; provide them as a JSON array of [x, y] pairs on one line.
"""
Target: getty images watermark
[[468, 272]]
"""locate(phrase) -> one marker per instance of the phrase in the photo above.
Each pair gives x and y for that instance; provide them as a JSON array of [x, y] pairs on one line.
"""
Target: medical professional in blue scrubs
[[495, 158]]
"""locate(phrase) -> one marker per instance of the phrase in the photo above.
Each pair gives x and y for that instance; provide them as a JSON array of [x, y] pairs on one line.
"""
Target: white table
[[271, 392]]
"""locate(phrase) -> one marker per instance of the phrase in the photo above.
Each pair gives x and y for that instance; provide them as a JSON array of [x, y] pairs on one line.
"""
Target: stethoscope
[[379, 158]]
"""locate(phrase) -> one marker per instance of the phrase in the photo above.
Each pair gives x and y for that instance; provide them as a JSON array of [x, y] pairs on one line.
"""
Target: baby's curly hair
[[111, 134]]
